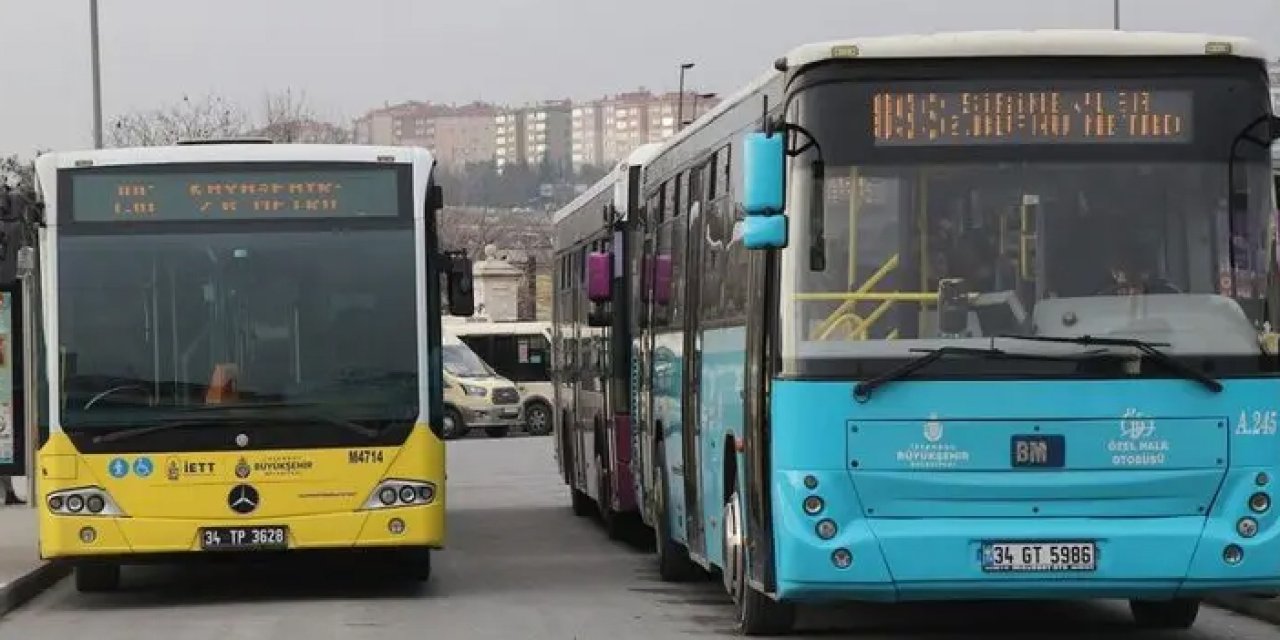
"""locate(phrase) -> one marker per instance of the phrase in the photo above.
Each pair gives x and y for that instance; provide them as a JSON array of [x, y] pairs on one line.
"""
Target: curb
[[1266, 609], [31, 584]]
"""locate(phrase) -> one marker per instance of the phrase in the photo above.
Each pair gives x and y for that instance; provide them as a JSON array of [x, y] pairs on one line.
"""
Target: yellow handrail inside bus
[[825, 326], [859, 326]]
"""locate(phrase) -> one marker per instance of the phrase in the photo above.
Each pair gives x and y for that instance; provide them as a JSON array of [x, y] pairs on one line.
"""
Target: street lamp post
[[97, 74], [1115, 14], [680, 96]]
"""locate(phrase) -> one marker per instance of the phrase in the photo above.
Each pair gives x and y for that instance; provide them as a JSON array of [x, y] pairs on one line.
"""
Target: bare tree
[[15, 173], [202, 118], [474, 228], [291, 118]]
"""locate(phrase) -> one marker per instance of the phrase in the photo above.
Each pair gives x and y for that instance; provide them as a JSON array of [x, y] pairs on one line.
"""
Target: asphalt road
[[520, 566]]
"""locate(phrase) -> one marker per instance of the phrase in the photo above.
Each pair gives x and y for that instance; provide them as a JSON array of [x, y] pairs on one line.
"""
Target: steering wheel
[[88, 405]]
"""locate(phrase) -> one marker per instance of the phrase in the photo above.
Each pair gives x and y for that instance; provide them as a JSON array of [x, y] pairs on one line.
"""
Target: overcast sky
[[351, 55]]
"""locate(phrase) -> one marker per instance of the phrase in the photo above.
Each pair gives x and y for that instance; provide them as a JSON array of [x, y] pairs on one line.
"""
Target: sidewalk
[[22, 574]]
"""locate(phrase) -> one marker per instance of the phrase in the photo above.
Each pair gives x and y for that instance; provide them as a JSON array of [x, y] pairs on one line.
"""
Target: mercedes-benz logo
[[242, 440], [243, 499]]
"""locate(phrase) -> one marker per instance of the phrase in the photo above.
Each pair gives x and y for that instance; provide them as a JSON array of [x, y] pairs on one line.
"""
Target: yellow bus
[[239, 350]]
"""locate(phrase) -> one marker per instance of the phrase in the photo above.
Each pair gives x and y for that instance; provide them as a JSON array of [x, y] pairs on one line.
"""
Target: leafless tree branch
[[188, 119]]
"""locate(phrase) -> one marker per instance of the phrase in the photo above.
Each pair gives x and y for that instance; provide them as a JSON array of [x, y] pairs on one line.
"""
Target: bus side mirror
[[764, 178], [599, 317], [662, 281], [435, 198], [462, 297], [764, 232], [599, 277]]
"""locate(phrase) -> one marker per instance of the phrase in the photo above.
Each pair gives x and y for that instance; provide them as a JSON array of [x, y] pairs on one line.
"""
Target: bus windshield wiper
[[862, 392], [1148, 349], [178, 423]]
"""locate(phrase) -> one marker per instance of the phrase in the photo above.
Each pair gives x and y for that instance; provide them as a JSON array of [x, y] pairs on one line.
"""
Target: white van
[[521, 353], [476, 396]]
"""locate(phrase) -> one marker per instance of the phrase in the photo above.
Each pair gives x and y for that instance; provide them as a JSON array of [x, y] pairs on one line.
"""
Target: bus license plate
[[1039, 556], [244, 538]]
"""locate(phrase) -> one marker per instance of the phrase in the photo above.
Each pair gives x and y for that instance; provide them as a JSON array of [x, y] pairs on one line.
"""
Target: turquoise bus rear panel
[[1146, 482]]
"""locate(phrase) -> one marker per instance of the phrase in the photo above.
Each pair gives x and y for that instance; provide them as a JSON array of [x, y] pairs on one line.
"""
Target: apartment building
[[457, 135], [535, 135], [606, 130]]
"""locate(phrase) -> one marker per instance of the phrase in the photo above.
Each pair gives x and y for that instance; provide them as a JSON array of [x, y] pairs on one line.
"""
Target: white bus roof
[[234, 152], [640, 156], [1043, 42]]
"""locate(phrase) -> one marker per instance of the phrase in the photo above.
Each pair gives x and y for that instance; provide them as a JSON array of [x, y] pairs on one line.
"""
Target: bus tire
[[97, 577], [612, 520], [454, 426], [497, 432], [1165, 614], [583, 506], [537, 418], [674, 564], [756, 613], [417, 564]]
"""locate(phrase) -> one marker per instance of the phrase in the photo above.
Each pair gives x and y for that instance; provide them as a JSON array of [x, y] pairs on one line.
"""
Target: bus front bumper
[[81, 536], [943, 559]]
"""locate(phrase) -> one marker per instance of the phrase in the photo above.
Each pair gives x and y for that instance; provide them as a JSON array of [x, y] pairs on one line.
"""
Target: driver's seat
[[223, 387]]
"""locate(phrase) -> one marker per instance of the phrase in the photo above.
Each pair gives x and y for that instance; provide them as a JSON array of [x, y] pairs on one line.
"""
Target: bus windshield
[[916, 241], [159, 326]]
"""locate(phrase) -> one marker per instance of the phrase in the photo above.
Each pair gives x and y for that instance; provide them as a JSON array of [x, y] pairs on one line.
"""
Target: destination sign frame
[[209, 193], [1032, 116]]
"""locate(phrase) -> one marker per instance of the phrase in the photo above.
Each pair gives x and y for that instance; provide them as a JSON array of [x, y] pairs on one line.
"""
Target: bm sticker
[[364, 456]]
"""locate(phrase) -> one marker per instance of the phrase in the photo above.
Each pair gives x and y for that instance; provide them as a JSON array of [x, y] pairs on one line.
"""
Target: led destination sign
[[972, 118], [159, 195]]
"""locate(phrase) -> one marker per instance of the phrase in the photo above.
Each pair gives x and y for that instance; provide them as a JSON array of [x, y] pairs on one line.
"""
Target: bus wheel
[[97, 577], [610, 518], [1165, 614], [497, 432], [454, 426], [537, 419], [674, 564], [757, 614], [417, 564], [582, 504]]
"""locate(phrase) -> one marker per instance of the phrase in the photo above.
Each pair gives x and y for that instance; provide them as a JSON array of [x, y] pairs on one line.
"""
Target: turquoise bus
[[966, 316]]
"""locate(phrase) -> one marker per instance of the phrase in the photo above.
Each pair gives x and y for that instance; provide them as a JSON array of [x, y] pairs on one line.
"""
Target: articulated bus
[[592, 327], [240, 348], [965, 316]]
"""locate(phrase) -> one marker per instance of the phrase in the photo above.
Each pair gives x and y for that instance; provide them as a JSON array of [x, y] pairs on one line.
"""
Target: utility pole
[[1115, 14], [97, 74]]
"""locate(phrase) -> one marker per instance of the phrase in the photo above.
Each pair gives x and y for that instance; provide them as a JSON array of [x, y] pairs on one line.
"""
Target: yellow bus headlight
[[400, 493], [83, 501]]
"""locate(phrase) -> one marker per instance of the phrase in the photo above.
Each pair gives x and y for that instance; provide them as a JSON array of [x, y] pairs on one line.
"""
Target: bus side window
[[714, 242], [679, 231], [734, 300]]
